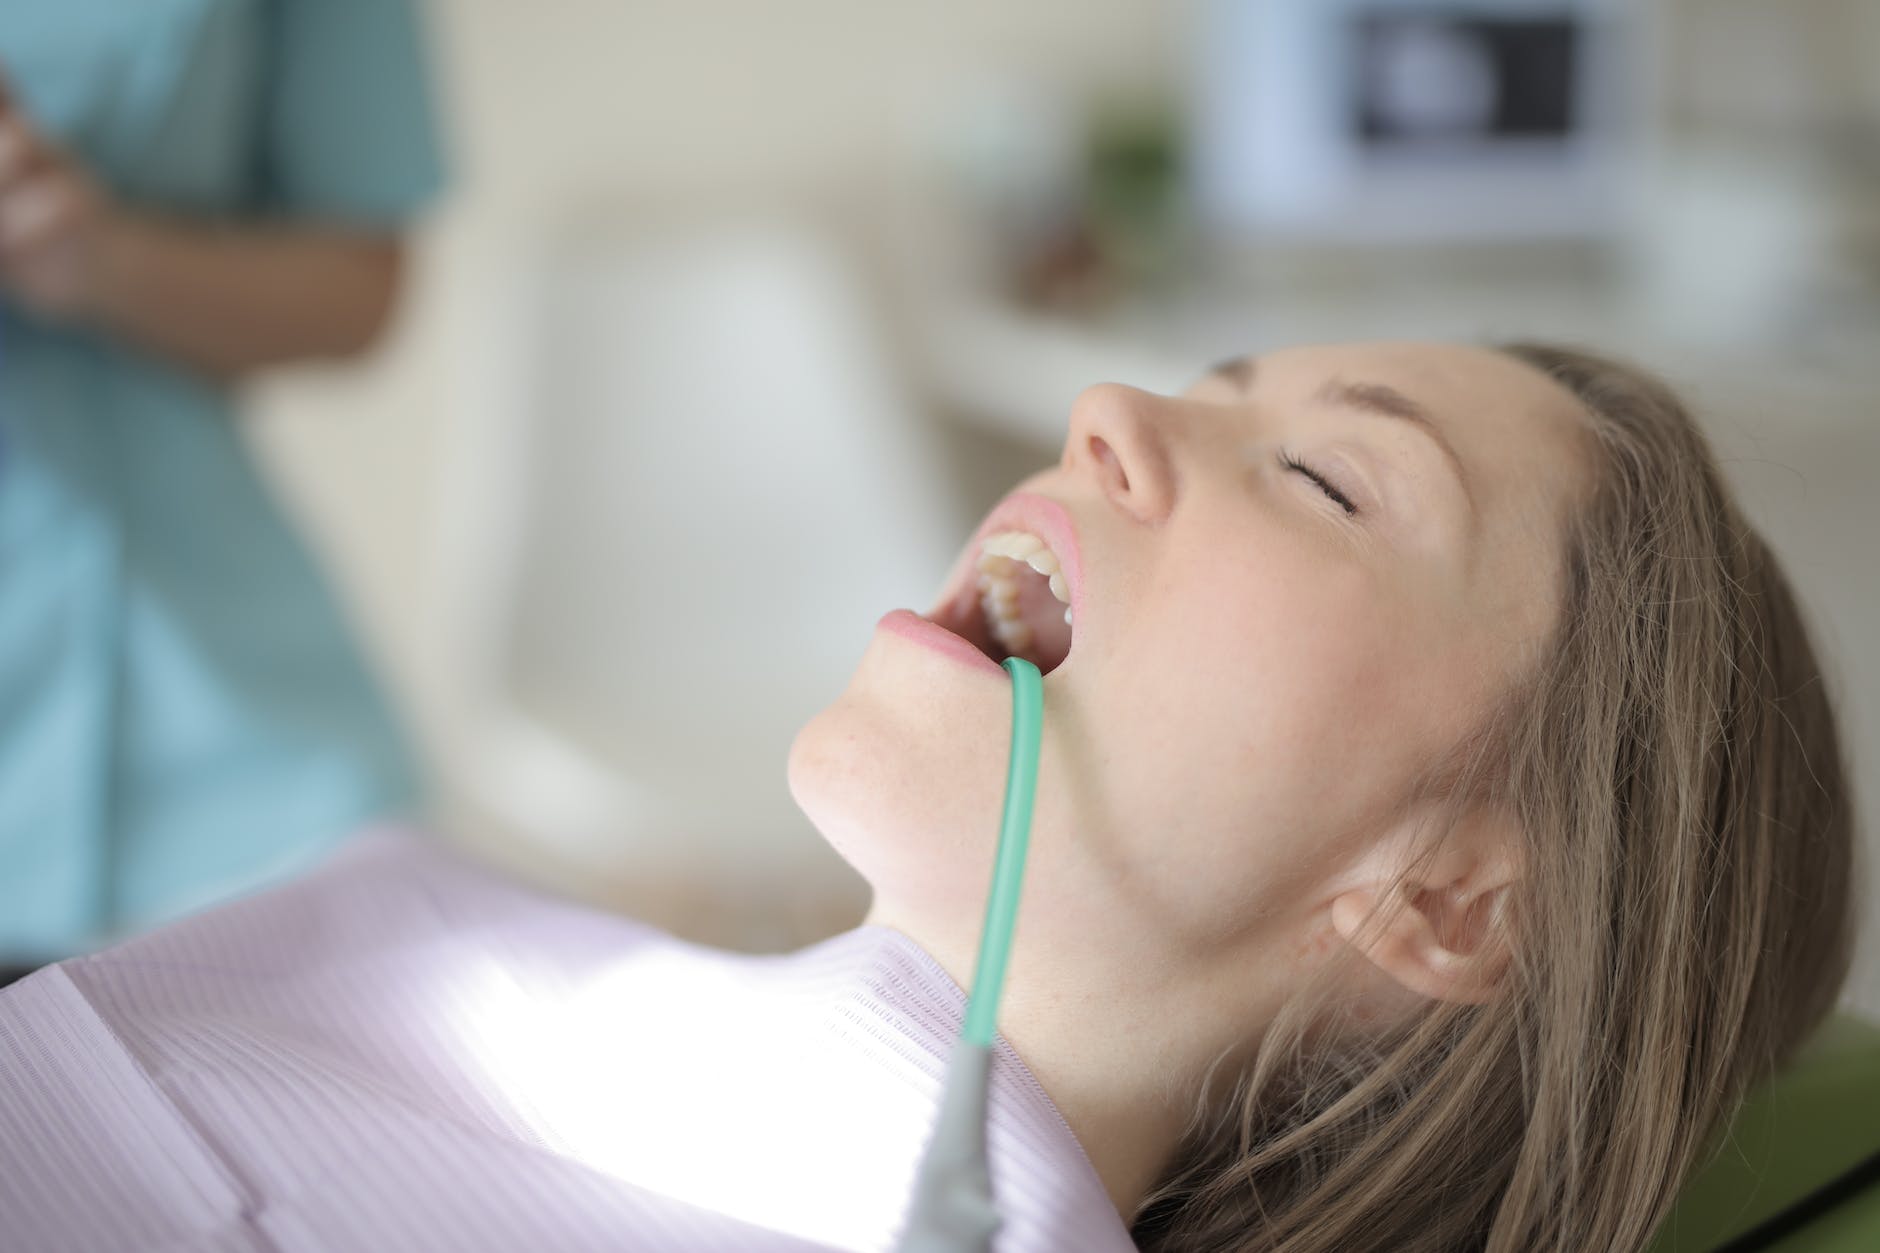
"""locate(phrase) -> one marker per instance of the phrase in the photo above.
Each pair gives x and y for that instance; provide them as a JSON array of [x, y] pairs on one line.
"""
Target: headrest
[[1800, 1167]]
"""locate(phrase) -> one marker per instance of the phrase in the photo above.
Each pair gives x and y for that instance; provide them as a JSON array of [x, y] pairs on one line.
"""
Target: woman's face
[[1295, 586]]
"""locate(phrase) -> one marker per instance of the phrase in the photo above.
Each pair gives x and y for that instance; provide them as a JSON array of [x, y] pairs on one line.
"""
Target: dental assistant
[[189, 192]]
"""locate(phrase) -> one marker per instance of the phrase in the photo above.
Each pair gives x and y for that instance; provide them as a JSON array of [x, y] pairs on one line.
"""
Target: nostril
[[1109, 466]]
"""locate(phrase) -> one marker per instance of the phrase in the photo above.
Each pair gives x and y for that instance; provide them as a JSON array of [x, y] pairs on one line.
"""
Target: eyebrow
[[1235, 370], [1372, 398]]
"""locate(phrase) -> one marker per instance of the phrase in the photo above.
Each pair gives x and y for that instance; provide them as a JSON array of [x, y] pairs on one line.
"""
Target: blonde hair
[[1684, 922]]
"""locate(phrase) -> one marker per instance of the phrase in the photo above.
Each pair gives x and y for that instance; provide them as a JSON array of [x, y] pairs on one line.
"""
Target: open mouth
[[1016, 604]]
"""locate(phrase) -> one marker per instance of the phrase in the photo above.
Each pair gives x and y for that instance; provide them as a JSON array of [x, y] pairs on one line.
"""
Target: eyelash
[[1325, 485]]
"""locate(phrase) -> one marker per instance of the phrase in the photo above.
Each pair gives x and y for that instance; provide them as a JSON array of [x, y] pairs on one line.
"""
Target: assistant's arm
[[223, 299]]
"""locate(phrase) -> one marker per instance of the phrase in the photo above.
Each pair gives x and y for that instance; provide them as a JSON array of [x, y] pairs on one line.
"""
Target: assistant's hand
[[218, 297], [54, 219]]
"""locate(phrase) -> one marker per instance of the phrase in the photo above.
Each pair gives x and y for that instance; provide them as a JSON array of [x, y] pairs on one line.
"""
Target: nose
[[1120, 436]]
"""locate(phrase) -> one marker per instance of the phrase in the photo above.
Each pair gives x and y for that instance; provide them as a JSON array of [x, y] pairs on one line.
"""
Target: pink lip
[[1043, 517], [910, 625]]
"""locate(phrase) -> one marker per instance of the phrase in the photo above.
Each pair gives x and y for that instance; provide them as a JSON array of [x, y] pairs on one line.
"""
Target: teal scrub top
[[182, 713]]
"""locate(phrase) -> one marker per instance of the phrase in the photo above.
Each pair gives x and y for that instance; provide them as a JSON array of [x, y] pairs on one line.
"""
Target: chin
[[829, 770], [903, 774]]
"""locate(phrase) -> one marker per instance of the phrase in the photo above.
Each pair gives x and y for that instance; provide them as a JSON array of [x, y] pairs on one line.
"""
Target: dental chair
[[1799, 1171], [687, 477]]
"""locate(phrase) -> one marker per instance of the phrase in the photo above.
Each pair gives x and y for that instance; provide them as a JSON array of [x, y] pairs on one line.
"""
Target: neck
[[1118, 1048]]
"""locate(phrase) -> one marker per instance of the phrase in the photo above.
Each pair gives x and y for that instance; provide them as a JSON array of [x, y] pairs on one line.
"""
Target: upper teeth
[[1000, 556]]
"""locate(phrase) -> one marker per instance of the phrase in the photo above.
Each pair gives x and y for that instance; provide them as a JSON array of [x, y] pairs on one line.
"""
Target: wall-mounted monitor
[[1379, 120]]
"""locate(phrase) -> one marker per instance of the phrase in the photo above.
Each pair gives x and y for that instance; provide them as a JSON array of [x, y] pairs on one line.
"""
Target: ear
[[1444, 933]]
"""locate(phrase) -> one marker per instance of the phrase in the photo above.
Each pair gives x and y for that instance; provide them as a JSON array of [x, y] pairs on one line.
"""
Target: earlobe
[[1447, 944]]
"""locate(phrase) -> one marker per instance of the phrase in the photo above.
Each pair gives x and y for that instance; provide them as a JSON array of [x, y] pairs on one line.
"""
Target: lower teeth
[[998, 598]]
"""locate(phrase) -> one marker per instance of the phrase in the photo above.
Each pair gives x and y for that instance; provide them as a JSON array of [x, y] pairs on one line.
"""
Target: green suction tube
[[953, 1210], [1008, 872]]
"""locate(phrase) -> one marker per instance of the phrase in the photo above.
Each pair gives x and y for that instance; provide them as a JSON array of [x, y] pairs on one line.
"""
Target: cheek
[[1279, 712], [1290, 656]]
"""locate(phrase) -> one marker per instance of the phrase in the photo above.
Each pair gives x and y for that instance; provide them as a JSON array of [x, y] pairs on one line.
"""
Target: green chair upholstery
[[1800, 1170]]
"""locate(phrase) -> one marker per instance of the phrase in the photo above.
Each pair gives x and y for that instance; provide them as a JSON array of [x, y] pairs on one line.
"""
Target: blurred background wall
[[740, 314]]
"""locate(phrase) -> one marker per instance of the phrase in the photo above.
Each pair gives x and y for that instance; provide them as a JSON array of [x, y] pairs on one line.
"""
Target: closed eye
[[1325, 485]]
